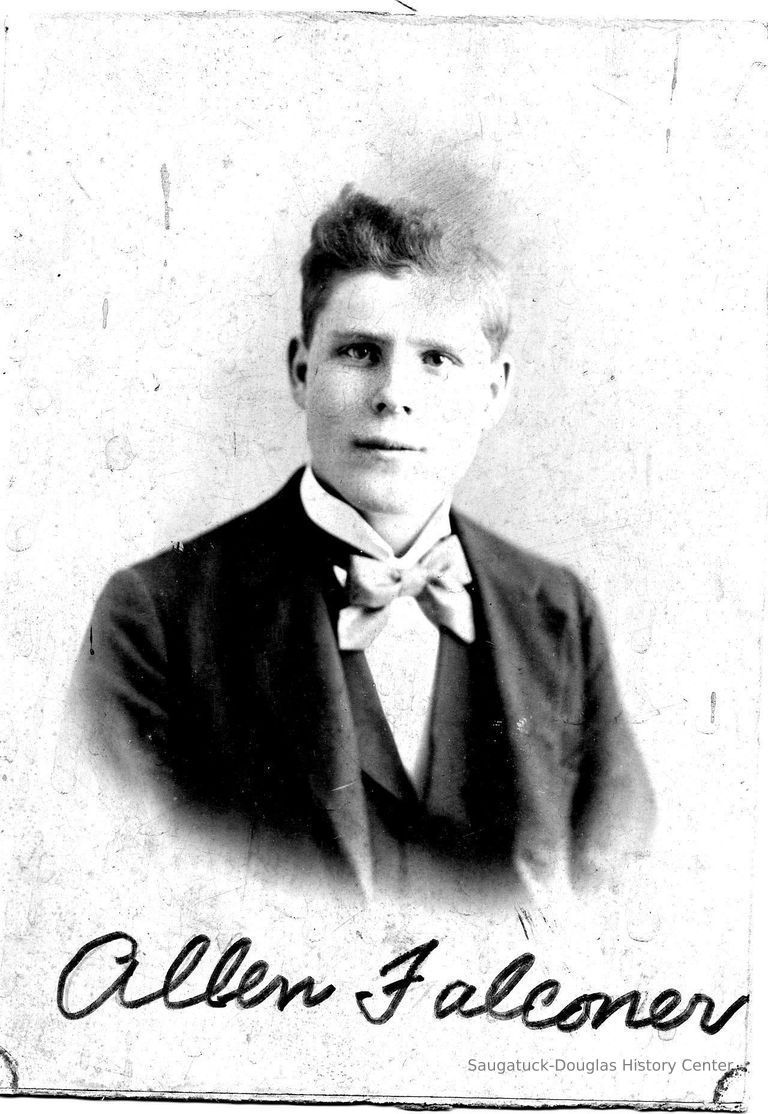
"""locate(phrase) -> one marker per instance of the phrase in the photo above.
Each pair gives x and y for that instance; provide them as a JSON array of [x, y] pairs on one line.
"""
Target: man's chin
[[412, 500]]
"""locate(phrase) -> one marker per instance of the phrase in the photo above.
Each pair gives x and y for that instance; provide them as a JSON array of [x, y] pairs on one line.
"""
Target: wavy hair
[[359, 233]]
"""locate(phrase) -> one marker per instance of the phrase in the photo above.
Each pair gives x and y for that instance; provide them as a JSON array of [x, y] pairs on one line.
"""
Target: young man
[[367, 683]]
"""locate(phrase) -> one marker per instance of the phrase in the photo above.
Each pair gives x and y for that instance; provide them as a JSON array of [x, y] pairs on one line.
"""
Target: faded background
[[160, 176]]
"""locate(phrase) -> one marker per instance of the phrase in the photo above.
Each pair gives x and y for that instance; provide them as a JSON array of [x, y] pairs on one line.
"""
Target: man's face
[[398, 384]]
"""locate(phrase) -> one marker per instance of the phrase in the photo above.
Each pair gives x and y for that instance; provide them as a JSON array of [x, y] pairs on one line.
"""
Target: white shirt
[[403, 657]]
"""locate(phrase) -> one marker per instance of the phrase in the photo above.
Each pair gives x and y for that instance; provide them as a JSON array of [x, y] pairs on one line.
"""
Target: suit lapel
[[377, 749], [530, 685], [296, 663]]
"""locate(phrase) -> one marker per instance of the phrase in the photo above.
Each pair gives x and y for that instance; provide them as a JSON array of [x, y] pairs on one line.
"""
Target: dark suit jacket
[[213, 669]]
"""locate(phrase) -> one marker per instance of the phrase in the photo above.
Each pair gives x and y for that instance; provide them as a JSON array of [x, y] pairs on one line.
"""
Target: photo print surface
[[385, 497]]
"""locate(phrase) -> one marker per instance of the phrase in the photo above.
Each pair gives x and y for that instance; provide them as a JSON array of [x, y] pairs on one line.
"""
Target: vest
[[457, 833], [458, 830]]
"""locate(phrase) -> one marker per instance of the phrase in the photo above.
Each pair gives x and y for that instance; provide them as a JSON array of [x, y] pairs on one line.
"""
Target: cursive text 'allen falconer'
[[540, 1008]]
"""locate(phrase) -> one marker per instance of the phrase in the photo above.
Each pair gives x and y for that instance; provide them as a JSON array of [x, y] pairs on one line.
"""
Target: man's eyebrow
[[440, 345], [339, 335]]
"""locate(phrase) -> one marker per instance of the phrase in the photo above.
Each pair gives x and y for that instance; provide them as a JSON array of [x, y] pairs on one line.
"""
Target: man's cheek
[[461, 420]]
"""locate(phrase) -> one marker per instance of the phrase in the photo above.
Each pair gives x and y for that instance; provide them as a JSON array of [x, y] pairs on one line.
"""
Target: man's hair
[[360, 233]]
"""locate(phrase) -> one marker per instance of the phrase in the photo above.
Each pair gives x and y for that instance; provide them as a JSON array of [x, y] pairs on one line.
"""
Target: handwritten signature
[[251, 987]]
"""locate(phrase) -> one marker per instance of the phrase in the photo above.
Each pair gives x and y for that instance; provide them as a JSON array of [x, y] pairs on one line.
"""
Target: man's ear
[[500, 388], [297, 370]]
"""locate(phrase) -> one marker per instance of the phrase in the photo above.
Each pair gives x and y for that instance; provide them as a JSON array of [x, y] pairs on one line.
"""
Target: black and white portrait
[[395, 692], [386, 496]]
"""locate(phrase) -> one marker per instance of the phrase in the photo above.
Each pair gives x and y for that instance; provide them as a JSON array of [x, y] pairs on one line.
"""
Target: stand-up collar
[[342, 521]]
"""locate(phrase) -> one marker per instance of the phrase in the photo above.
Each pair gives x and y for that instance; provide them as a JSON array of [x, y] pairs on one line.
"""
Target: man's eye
[[360, 353], [437, 359]]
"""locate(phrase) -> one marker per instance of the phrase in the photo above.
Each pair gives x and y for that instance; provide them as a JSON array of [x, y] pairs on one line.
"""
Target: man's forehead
[[408, 302]]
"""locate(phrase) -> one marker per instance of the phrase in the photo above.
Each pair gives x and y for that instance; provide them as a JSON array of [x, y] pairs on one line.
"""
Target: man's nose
[[395, 387]]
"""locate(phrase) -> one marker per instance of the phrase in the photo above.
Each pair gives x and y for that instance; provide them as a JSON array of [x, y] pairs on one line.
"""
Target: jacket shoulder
[[253, 540], [517, 569]]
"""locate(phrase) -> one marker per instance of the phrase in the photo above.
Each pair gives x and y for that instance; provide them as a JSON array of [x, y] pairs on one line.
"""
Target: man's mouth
[[387, 444]]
